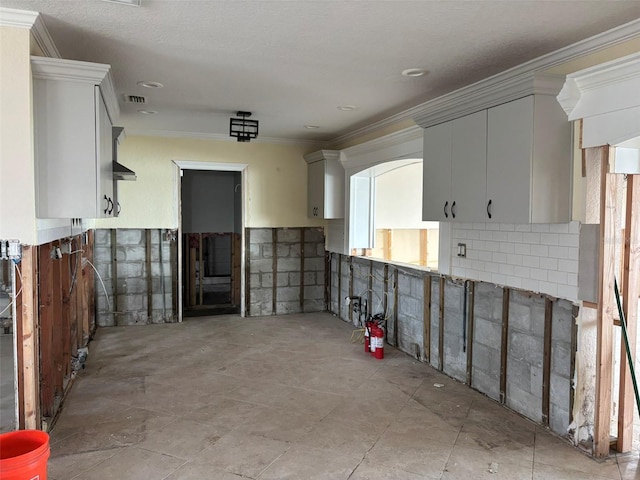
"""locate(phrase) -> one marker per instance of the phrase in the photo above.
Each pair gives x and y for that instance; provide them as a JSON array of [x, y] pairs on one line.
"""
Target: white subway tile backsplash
[[549, 238], [540, 250], [514, 259], [540, 227], [506, 247], [549, 263], [536, 257], [559, 228], [515, 237], [558, 252]]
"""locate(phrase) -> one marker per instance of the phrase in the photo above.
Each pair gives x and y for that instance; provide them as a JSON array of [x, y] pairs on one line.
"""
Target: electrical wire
[[106, 295], [15, 297]]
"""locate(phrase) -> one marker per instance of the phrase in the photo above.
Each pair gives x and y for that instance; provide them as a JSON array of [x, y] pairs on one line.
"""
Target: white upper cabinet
[[509, 163], [529, 162], [74, 105], [325, 184]]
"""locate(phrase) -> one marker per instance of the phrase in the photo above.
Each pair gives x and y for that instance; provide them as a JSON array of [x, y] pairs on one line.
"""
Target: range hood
[[120, 172]]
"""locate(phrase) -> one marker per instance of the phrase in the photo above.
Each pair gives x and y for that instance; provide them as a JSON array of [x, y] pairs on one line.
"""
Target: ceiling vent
[[139, 99]]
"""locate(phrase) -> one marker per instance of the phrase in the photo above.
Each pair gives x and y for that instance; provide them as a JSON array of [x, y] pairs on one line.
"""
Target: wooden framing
[[339, 285], [147, 255], [426, 318], [424, 246], [546, 361], [350, 288], [370, 290], [441, 326], [47, 389], [274, 269], [604, 345], [504, 345], [630, 289], [387, 243], [470, 330], [385, 295]]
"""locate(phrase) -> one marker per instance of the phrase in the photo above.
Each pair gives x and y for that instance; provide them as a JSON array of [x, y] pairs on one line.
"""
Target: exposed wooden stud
[[387, 239], [173, 260], [350, 288], [70, 302], [147, 257], [574, 348], [385, 295], [630, 291], [247, 272], [46, 330], [589, 304], [302, 232], [370, 290], [441, 325], [20, 352], [200, 270], [28, 342], [339, 285], [114, 274], [604, 344], [90, 283], [57, 273], [395, 307], [470, 330], [424, 244], [546, 360], [504, 345], [426, 318], [274, 270]]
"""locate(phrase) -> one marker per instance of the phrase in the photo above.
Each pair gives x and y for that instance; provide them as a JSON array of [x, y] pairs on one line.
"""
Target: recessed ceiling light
[[414, 72], [147, 112], [133, 3], [347, 108], [311, 127], [151, 84]]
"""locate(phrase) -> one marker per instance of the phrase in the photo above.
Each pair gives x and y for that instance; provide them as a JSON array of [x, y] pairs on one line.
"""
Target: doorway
[[211, 223]]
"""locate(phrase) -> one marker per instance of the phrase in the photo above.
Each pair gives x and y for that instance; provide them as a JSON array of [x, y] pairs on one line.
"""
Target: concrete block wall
[[525, 329], [127, 294], [286, 270], [534, 257]]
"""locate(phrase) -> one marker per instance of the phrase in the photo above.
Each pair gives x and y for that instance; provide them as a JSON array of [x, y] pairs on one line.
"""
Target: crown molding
[[601, 89], [144, 132], [322, 155], [399, 145], [584, 47], [390, 140], [33, 21], [73, 70]]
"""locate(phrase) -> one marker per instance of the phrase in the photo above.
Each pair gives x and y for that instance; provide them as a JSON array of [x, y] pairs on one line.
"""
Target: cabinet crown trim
[[486, 94], [322, 155], [602, 89], [77, 71]]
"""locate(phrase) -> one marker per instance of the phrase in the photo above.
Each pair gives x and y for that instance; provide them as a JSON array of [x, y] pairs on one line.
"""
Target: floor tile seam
[[290, 444], [571, 469], [116, 450], [174, 471]]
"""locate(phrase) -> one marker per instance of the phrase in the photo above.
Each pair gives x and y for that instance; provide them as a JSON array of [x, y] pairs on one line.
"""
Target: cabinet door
[[104, 159], [469, 167], [436, 173], [315, 177], [509, 151]]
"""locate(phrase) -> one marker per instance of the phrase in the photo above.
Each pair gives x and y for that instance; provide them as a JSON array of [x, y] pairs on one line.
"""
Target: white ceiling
[[292, 63]]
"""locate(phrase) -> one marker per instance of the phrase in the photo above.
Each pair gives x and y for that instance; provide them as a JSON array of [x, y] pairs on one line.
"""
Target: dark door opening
[[211, 242]]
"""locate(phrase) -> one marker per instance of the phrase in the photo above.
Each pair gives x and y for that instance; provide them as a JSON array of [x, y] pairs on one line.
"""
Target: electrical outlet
[[462, 249]]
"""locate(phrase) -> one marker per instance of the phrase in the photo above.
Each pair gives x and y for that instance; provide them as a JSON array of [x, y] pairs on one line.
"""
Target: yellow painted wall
[[17, 185], [276, 181]]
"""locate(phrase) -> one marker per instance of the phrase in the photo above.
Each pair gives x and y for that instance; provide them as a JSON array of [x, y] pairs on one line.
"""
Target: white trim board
[[12, 17]]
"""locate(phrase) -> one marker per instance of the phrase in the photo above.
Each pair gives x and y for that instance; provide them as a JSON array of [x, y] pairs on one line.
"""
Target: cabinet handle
[[489, 209], [453, 209], [446, 204], [110, 206], [106, 208], [118, 209]]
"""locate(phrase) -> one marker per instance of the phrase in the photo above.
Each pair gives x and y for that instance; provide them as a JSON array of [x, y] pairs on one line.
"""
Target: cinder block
[[519, 316], [320, 251], [128, 303], [409, 306], [519, 375], [316, 305], [294, 279], [290, 235], [316, 264], [283, 251], [314, 235], [561, 358], [313, 292], [559, 419], [282, 279], [260, 235], [487, 359], [536, 380], [283, 308], [524, 403], [254, 280], [105, 320], [129, 270], [487, 333], [102, 236], [562, 321], [560, 388], [485, 383], [488, 301], [526, 347], [453, 297], [417, 288], [404, 284], [266, 280], [132, 285], [287, 294], [254, 251], [261, 266], [267, 250], [129, 236], [310, 278]]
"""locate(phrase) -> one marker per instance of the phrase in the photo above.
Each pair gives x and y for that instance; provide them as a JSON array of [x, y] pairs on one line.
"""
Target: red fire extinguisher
[[367, 336], [377, 342]]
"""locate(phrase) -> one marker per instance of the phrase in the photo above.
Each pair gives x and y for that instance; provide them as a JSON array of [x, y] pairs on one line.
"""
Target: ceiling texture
[[293, 63]]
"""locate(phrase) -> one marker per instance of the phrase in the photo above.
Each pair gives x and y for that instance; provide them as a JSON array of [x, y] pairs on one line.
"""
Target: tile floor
[[289, 398]]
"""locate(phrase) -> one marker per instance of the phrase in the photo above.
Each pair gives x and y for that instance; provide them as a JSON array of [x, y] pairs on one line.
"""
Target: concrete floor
[[289, 398]]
